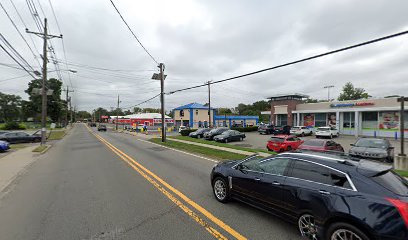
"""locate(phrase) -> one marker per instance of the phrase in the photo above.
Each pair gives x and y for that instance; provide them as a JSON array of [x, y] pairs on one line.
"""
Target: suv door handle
[[324, 192], [257, 179], [276, 183]]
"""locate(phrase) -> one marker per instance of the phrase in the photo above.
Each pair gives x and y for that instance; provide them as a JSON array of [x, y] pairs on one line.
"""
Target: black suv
[[328, 196], [102, 128], [271, 129]]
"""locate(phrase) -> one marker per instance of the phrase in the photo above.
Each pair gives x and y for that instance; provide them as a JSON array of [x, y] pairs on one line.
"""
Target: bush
[[245, 129], [186, 132], [13, 126]]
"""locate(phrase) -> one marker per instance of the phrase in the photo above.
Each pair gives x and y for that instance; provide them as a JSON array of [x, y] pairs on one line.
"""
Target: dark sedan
[[285, 130], [266, 129], [199, 133], [214, 132], [229, 136], [327, 196], [102, 128], [20, 137]]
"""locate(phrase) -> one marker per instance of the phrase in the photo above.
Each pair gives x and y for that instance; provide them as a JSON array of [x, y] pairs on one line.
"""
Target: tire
[[241, 139], [331, 136], [307, 227], [302, 134], [220, 189], [226, 140], [341, 227]]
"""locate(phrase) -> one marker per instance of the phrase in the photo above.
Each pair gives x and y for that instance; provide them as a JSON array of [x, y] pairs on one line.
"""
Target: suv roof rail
[[310, 153]]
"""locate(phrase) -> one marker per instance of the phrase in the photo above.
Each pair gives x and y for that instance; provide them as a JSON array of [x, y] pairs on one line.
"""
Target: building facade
[[193, 115], [148, 119], [236, 121], [366, 117]]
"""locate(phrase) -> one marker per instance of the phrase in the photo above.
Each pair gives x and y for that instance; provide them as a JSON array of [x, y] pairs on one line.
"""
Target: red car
[[321, 145], [281, 143]]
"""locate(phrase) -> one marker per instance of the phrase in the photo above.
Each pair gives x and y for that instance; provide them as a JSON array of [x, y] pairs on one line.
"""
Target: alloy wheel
[[307, 227], [340, 234], [220, 189]]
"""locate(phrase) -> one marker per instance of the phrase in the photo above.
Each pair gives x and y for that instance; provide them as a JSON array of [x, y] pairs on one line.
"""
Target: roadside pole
[[163, 130], [209, 104], [117, 115], [45, 36], [402, 127]]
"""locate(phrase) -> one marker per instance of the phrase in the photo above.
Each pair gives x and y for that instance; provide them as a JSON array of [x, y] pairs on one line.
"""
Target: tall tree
[[351, 93], [9, 107], [137, 110], [55, 105], [224, 111], [83, 115]]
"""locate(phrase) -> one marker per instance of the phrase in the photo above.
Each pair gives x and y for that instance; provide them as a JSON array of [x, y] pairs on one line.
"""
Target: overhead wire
[[134, 35], [297, 61]]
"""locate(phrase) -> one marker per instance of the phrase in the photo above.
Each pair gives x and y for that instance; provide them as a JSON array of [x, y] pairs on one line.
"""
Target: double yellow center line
[[170, 192]]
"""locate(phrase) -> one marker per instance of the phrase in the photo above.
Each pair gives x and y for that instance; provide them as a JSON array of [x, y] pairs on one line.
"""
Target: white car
[[181, 128], [327, 132], [301, 131]]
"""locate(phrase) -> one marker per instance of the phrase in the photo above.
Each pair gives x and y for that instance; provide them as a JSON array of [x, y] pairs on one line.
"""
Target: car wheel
[[338, 231], [302, 134], [307, 226], [198, 136], [241, 139], [331, 136], [226, 140], [220, 189]]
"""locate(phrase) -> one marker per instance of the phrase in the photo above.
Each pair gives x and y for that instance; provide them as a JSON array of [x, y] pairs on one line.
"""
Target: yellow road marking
[[187, 210]]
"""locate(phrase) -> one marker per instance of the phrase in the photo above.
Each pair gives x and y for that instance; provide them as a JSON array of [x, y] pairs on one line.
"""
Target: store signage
[[159, 121], [357, 104]]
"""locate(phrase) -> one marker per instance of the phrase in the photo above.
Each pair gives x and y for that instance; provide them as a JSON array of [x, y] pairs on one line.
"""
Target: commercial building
[[365, 117], [148, 119], [195, 115]]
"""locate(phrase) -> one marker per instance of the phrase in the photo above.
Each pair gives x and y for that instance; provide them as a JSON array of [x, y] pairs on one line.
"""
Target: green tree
[[351, 93], [311, 100], [224, 111], [55, 105], [151, 110], [9, 107], [137, 110], [99, 112], [80, 115]]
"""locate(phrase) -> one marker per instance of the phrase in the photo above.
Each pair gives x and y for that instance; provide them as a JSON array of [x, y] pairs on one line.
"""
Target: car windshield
[[313, 143], [371, 143], [276, 139], [295, 128], [323, 129], [226, 132]]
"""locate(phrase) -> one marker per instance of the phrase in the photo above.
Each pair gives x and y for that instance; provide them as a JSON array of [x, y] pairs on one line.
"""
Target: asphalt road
[[82, 189]]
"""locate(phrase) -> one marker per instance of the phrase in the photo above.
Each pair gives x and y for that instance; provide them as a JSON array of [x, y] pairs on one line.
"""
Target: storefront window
[[348, 119], [389, 120], [281, 119], [320, 119], [308, 120], [370, 120]]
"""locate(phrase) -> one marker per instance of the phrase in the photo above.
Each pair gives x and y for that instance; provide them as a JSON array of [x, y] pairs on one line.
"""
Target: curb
[[43, 151]]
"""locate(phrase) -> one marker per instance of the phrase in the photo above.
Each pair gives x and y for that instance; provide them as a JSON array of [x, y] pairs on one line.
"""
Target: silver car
[[373, 148]]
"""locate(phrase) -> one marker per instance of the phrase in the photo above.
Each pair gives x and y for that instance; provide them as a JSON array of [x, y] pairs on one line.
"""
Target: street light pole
[[209, 104], [163, 118], [117, 114], [328, 91], [402, 125], [45, 37]]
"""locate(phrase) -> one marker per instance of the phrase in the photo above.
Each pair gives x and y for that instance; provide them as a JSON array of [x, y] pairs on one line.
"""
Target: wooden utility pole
[[67, 98], [45, 36], [209, 103], [117, 114], [402, 100], [163, 118]]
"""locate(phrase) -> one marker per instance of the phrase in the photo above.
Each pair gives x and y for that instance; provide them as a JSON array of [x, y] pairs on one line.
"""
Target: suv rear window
[[276, 139], [392, 182], [314, 143]]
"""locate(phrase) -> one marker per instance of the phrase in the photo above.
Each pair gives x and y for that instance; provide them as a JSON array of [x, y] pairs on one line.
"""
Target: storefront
[[371, 117], [236, 121]]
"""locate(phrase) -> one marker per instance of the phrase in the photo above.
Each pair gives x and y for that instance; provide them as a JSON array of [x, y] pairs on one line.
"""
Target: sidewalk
[[14, 164]]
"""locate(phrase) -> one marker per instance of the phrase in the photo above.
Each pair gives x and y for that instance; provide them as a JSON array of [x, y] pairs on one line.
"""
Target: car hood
[[367, 150]]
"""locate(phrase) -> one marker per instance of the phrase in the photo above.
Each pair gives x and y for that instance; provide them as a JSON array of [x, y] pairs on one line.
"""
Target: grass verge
[[56, 135], [18, 146], [219, 144], [207, 152], [402, 173], [40, 148]]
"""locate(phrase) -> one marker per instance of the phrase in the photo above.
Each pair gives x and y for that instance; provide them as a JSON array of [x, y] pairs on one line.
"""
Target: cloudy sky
[[210, 40]]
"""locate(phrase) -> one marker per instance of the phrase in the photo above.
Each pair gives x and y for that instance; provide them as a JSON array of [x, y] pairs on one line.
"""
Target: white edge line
[[208, 159]]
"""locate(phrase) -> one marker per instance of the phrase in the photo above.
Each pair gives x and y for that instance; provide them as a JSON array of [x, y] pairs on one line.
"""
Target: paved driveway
[[255, 140]]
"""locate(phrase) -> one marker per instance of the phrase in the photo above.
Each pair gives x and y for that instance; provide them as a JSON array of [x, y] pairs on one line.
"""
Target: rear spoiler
[[371, 169]]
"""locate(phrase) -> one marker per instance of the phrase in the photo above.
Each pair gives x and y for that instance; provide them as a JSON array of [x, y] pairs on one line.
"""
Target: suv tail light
[[402, 208]]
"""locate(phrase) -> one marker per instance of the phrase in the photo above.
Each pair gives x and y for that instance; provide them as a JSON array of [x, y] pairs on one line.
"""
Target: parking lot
[[256, 140]]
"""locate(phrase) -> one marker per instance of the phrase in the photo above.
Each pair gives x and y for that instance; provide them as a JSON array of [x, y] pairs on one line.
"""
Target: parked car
[[373, 148], [20, 137], [301, 131], [92, 124], [102, 128], [281, 143], [199, 133], [4, 146], [214, 132], [329, 132], [327, 196], [321, 145], [182, 128], [229, 136], [282, 130], [266, 129]]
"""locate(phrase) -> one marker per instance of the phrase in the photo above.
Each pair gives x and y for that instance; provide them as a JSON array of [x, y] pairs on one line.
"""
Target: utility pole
[[328, 91], [163, 130], [45, 36], [402, 100], [67, 100], [70, 110], [209, 103], [117, 114]]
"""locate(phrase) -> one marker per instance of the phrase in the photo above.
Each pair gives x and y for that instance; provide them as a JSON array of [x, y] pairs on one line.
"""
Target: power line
[[145, 101], [8, 79], [21, 35], [297, 61], [134, 35], [17, 62]]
